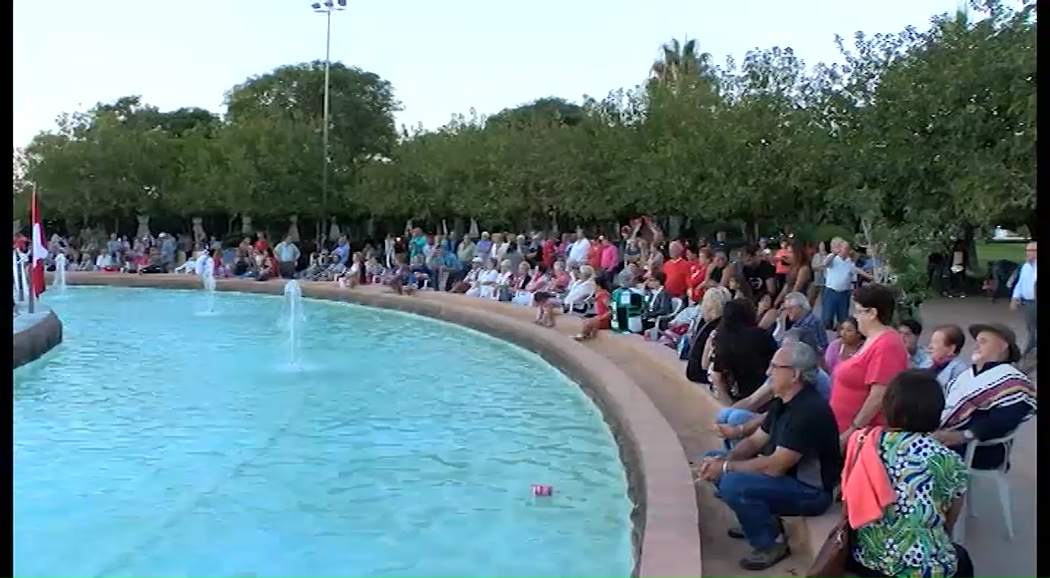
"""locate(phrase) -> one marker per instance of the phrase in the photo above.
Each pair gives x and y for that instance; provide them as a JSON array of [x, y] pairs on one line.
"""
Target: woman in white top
[[352, 277], [500, 246], [503, 279], [538, 281], [486, 280], [582, 288], [104, 260]]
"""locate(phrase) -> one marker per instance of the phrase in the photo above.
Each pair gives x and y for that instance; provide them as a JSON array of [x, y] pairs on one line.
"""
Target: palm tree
[[680, 62]]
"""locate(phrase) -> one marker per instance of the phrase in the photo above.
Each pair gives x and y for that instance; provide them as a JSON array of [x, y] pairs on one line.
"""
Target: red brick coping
[[34, 341], [665, 519]]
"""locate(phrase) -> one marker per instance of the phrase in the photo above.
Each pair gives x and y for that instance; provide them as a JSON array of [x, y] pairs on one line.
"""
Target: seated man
[[420, 272], [744, 417], [657, 302], [788, 467]]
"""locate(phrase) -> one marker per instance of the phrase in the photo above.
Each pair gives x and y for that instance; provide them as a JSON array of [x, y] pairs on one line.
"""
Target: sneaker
[[759, 560]]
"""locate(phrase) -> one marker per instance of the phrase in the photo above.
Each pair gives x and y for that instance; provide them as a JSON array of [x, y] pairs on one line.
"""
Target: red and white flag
[[39, 251]]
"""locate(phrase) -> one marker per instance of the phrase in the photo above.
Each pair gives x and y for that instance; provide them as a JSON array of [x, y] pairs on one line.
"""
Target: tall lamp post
[[327, 8]]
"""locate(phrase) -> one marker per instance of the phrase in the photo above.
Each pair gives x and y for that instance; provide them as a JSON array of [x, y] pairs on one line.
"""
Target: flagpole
[[31, 261], [31, 291]]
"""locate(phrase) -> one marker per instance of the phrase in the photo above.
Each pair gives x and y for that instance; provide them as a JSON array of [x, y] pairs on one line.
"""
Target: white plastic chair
[[998, 476], [676, 305]]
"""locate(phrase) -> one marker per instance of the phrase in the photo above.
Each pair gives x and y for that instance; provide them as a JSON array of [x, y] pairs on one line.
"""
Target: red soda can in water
[[542, 491]]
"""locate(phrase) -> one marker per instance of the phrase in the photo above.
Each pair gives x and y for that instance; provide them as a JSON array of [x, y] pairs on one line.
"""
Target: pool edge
[[34, 341], [665, 525]]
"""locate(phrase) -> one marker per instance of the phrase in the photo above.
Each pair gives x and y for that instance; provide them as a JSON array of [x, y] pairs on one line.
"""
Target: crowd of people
[[865, 415]]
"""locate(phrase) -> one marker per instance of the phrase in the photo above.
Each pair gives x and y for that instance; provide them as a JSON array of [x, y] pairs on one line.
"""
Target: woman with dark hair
[[602, 312], [859, 382], [739, 286], [799, 274], [740, 352], [845, 346], [268, 270], [925, 484]]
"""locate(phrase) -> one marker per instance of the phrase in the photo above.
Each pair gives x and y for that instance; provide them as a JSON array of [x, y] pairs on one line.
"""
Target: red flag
[[39, 252]]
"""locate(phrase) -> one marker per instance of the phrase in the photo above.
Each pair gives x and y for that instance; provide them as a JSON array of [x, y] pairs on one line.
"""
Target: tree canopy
[[915, 131]]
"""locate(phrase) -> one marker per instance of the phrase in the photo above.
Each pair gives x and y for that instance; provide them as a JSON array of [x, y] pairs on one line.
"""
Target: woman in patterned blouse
[[913, 537]]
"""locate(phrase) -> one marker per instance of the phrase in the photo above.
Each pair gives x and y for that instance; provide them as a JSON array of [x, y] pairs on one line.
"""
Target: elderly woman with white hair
[[580, 289], [504, 281], [698, 353]]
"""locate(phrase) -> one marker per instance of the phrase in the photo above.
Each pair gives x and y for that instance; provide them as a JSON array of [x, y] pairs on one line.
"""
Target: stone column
[[293, 228], [199, 236], [143, 230]]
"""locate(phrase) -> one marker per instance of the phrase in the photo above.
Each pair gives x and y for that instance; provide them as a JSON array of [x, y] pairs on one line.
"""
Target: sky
[[443, 57]]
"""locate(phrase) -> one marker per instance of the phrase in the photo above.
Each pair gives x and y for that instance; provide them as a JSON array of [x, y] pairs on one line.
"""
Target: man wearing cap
[[1024, 295], [990, 400]]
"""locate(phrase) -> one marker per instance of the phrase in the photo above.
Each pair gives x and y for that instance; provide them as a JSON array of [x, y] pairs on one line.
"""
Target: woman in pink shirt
[[847, 344], [859, 382], [609, 257]]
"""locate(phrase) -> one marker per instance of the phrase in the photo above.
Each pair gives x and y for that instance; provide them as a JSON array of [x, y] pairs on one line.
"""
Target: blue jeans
[[834, 307], [735, 418], [758, 499]]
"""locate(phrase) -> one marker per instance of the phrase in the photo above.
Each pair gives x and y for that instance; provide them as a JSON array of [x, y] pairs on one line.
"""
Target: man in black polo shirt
[[759, 273], [788, 467]]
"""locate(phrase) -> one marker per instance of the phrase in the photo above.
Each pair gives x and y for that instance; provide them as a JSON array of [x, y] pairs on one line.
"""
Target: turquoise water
[[161, 441]]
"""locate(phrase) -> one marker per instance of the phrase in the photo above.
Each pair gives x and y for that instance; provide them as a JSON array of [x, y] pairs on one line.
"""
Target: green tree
[[361, 122], [682, 65], [550, 109]]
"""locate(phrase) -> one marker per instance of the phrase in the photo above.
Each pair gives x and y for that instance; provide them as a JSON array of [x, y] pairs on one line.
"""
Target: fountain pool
[[156, 442]]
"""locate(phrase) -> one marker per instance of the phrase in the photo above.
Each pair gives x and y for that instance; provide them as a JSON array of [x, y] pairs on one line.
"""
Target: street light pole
[[326, 8]]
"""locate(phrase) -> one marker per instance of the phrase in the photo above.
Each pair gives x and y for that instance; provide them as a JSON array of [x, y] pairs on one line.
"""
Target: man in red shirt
[[594, 254], [261, 244], [549, 252], [698, 275], [677, 270]]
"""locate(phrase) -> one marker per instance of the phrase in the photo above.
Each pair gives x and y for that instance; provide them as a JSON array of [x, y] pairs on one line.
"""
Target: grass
[[1001, 250]]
